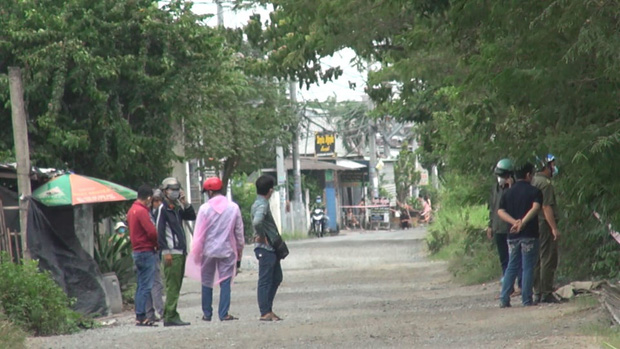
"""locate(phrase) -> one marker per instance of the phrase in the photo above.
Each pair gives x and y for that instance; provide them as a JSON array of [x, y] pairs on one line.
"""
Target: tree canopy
[[483, 80], [110, 85]]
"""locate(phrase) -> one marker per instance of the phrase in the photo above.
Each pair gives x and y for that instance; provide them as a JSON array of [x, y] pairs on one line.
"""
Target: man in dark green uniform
[[498, 229], [549, 233]]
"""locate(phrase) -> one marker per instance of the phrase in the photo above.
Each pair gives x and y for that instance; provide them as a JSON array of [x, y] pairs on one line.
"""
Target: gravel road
[[356, 290]]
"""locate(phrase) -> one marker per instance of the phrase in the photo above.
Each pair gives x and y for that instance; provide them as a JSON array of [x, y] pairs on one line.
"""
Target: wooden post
[[22, 152]]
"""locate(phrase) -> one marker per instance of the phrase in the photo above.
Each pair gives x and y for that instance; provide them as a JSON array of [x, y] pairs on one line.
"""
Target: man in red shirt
[[143, 236]]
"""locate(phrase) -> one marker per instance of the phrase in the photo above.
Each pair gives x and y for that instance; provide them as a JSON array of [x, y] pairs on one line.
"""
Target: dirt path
[[357, 290]]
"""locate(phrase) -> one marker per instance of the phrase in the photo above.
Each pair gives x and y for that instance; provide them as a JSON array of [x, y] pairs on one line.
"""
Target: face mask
[[555, 172], [174, 194], [501, 181]]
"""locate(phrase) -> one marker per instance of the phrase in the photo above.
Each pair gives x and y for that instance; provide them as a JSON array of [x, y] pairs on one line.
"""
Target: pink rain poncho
[[218, 242]]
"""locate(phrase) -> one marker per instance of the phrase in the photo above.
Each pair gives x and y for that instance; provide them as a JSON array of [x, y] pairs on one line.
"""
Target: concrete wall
[[83, 225]]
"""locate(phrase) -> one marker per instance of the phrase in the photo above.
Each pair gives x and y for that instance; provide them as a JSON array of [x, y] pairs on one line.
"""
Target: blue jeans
[[145, 270], [207, 300], [269, 279], [524, 254], [501, 240]]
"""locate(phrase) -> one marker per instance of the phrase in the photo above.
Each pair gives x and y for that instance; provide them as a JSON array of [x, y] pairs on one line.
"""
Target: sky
[[339, 87]]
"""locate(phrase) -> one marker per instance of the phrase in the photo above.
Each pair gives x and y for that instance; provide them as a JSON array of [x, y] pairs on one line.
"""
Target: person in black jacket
[[519, 208], [173, 246], [498, 230]]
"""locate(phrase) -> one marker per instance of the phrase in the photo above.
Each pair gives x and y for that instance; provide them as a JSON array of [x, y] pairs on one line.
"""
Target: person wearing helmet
[[549, 233], [217, 248], [319, 215], [519, 208], [171, 237], [497, 229]]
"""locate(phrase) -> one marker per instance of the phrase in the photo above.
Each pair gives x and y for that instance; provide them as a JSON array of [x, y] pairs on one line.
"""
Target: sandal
[[270, 317], [146, 322], [229, 318]]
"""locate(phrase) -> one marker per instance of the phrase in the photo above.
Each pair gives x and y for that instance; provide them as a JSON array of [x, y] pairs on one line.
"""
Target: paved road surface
[[356, 290]]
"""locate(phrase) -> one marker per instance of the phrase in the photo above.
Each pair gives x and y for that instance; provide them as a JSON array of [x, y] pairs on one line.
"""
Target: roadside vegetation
[[33, 303], [481, 81], [11, 336], [458, 233]]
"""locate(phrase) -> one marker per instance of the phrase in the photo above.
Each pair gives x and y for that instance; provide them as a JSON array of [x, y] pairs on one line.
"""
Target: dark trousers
[[207, 300], [501, 240], [269, 279], [544, 272]]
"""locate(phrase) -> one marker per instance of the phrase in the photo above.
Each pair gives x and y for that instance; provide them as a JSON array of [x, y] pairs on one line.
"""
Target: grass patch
[[458, 236], [11, 336], [297, 235], [607, 336]]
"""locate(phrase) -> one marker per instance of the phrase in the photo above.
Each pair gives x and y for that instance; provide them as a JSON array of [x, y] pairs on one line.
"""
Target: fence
[[10, 241]]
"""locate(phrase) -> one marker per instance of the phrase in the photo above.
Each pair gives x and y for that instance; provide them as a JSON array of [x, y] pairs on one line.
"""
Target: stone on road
[[357, 290]]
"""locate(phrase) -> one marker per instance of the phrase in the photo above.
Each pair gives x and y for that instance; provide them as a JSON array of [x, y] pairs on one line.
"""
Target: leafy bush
[[11, 336], [599, 258], [113, 255], [129, 293], [458, 233], [33, 301], [244, 194]]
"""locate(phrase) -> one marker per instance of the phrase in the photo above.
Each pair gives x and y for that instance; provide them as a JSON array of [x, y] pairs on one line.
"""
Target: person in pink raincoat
[[217, 247]]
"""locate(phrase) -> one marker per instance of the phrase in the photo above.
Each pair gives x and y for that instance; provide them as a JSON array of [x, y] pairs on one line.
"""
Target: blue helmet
[[547, 160]]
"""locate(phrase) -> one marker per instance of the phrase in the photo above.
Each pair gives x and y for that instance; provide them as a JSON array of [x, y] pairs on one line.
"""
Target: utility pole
[[372, 145], [22, 152], [220, 13], [296, 161], [299, 218], [282, 185], [374, 181]]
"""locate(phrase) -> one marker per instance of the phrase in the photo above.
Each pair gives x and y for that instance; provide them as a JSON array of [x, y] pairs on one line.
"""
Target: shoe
[[550, 298], [155, 318], [206, 318], [146, 322], [270, 317], [176, 323], [504, 305], [229, 318]]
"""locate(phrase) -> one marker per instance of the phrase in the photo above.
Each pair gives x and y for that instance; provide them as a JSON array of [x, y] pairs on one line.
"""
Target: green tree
[[405, 174], [106, 81], [483, 80], [244, 117]]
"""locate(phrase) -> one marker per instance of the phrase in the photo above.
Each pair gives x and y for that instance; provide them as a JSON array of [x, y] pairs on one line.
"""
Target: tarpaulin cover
[[52, 240]]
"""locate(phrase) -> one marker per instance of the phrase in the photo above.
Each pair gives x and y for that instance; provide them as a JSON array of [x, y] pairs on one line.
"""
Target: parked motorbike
[[318, 222]]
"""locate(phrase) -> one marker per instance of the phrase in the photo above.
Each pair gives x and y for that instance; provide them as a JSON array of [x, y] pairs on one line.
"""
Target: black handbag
[[279, 245]]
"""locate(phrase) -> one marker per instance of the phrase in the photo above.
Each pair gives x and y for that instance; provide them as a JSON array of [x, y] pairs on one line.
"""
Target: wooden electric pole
[[22, 152]]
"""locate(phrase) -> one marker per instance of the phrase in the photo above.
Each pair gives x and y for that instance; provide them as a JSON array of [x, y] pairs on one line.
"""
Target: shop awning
[[351, 165]]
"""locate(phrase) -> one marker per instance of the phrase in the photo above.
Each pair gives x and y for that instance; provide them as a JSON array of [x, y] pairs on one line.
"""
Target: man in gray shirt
[[269, 269]]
